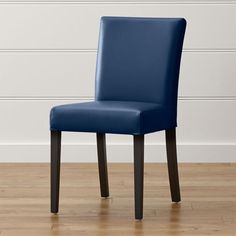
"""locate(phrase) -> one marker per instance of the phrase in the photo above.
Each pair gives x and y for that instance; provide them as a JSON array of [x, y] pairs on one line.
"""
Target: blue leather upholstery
[[110, 117], [136, 79]]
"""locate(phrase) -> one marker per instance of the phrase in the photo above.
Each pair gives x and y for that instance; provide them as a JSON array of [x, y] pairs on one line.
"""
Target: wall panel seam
[[186, 50], [89, 98], [118, 3]]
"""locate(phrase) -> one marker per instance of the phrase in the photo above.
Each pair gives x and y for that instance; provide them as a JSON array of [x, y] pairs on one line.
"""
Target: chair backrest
[[139, 59]]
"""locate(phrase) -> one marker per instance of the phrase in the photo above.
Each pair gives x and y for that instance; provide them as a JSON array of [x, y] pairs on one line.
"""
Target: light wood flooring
[[208, 204]]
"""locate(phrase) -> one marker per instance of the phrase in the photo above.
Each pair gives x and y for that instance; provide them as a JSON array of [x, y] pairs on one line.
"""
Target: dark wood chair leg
[[102, 164], [172, 165], [138, 175], [55, 169]]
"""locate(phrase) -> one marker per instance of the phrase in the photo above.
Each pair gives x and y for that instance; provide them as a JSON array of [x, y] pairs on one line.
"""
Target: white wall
[[47, 57]]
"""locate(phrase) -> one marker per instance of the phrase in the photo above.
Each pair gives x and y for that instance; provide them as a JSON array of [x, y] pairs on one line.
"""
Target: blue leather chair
[[137, 74]]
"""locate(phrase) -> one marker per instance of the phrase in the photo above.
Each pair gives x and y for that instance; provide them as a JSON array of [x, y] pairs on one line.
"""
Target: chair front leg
[[102, 164], [55, 169], [138, 175], [172, 165]]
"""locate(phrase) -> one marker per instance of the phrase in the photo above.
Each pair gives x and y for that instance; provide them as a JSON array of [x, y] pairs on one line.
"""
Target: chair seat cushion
[[118, 117]]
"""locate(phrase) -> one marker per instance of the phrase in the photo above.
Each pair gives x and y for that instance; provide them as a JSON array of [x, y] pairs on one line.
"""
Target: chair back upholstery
[[139, 59]]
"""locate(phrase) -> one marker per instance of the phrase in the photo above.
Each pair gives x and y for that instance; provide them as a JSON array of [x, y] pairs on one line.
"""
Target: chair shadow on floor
[[175, 218], [105, 221]]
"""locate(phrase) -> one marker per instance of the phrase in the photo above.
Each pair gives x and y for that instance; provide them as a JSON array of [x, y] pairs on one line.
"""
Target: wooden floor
[[208, 204]]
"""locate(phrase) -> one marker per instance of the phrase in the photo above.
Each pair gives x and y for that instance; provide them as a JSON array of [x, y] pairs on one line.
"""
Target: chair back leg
[[172, 165], [138, 175], [55, 169], [102, 164]]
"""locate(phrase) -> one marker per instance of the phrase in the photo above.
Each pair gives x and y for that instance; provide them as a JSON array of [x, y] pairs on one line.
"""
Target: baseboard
[[118, 152]]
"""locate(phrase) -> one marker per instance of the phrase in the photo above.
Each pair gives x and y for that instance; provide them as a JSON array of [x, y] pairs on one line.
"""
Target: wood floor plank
[[208, 204]]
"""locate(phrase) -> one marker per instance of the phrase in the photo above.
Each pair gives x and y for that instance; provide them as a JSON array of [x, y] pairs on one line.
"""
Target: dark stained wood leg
[[55, 169], [102, 164], [172, 165], [138, 175]]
